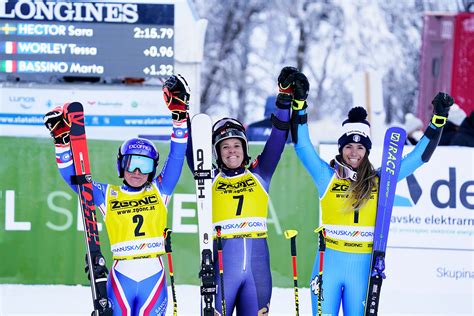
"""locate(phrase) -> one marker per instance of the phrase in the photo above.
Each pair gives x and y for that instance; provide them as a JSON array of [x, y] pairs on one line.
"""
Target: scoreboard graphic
[[48, 42]]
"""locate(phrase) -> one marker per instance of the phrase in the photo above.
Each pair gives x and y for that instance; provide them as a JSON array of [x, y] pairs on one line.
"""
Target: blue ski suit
[[349, 233], [136, 283], [246, 260]]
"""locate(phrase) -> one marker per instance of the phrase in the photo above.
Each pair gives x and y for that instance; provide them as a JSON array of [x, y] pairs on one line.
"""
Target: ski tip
[[290, 233], [201, 117], [74, 107]]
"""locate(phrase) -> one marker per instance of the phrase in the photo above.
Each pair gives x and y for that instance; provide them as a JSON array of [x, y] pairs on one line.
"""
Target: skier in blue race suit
[[240, 205], [135, 212], [348, 191]]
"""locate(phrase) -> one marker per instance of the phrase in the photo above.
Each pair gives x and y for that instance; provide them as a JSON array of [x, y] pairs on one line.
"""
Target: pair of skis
[[394, 141], [83, 180], [201, 129]]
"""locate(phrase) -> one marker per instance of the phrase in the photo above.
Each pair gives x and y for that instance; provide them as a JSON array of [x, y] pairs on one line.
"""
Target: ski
[[201, 131], [83, 180], [391, 159]]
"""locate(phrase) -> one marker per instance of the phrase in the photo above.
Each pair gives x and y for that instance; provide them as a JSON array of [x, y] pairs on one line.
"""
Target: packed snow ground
[[52, 300]]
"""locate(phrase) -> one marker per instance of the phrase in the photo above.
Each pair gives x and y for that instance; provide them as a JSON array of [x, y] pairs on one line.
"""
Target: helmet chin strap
[[138, 188], [344, 171]]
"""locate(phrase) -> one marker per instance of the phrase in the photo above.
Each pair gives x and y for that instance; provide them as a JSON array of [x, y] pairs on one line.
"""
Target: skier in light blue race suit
[[240, 205], [348, 190], [135, 212]]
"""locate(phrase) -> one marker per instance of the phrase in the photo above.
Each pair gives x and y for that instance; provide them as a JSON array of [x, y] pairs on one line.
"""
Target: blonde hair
[[361, 189]]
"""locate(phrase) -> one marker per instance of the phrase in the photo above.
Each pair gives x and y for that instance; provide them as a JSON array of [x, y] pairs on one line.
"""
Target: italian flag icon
[[7, 66]]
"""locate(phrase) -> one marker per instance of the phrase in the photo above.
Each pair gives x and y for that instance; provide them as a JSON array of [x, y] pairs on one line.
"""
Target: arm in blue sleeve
[[66, 169], [65, 164], [319, 170], [267, 161], [421, 153], [171, 171]]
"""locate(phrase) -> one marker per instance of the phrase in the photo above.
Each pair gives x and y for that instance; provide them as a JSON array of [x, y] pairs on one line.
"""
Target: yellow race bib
[[135, 222], [240, 206], [347, 229]]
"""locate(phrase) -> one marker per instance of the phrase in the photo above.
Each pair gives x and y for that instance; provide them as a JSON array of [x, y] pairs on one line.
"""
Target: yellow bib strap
[[349, 246], [245, 235]]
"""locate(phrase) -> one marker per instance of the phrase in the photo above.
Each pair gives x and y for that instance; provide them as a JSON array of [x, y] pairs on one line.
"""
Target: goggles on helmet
[[343, 171], [227, 122], [132, 162], [229, 133]]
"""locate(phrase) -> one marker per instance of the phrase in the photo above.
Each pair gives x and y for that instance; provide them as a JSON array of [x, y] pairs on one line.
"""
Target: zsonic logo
[[416, 191]]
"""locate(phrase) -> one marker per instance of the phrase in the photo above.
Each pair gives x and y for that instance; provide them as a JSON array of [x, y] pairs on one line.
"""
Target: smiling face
[[135, 179], [231, 152], [353, 153]]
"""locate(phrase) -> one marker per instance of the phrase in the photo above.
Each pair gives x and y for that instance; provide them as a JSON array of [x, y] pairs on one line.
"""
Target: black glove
[[58, 126], [176, 94], [286, 80], [286, 87], [442, 102], [301, 91]]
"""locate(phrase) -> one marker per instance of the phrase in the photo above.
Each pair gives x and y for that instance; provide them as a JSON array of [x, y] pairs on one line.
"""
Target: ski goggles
[[227, 122], [142, 163], [343, 171]]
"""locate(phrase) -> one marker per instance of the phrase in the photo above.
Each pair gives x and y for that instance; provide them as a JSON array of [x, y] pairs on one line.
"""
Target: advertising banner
[[137, 111]]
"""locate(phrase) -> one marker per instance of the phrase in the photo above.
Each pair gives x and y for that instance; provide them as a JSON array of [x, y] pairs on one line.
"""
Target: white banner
[[111, 113], [430, 255]]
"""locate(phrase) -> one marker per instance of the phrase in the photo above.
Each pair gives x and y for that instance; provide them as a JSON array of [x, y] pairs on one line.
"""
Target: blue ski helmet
[[137, 147], [228, 128]]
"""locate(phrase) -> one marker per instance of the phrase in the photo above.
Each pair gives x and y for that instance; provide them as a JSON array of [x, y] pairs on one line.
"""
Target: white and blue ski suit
[[349, 232], [136, 284]]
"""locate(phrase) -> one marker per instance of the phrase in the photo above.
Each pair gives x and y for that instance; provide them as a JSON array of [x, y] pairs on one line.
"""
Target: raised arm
[[176, 94], [266, 162], [425, 148], [320, 171]]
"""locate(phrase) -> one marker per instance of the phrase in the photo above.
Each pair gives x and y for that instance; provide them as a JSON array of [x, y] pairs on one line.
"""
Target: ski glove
[[286, 80], [57, 125], [442, 102], [285, 87], [176, 93], [301, 91]]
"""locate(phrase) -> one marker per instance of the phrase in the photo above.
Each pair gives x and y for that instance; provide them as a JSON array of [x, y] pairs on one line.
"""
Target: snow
[[51, 300]]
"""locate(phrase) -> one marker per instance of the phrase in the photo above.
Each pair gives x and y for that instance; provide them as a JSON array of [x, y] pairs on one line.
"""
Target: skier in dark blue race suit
[[240, 204], [135, 213], [348, 192]]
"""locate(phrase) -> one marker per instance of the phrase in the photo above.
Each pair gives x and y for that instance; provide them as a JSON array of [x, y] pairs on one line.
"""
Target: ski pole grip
[[291, 234], [167, 235]]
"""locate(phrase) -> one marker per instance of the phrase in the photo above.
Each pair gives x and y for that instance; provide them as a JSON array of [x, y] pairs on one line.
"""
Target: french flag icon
[[8, 48]]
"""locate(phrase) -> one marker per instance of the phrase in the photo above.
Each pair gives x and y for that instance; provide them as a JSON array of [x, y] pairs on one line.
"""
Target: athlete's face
[[353, 153], [136, 178], [232, 152]]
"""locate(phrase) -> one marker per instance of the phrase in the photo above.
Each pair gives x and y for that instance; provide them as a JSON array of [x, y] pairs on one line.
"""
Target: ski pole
[[167, 235], [322, 247], [221, 267], [291, 234]]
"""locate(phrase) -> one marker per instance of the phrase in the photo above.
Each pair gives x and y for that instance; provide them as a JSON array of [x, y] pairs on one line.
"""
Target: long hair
[[361, 189]]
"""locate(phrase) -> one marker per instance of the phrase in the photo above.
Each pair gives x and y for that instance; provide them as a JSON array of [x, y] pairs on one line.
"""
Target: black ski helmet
[[229, 128], [139, 147]]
